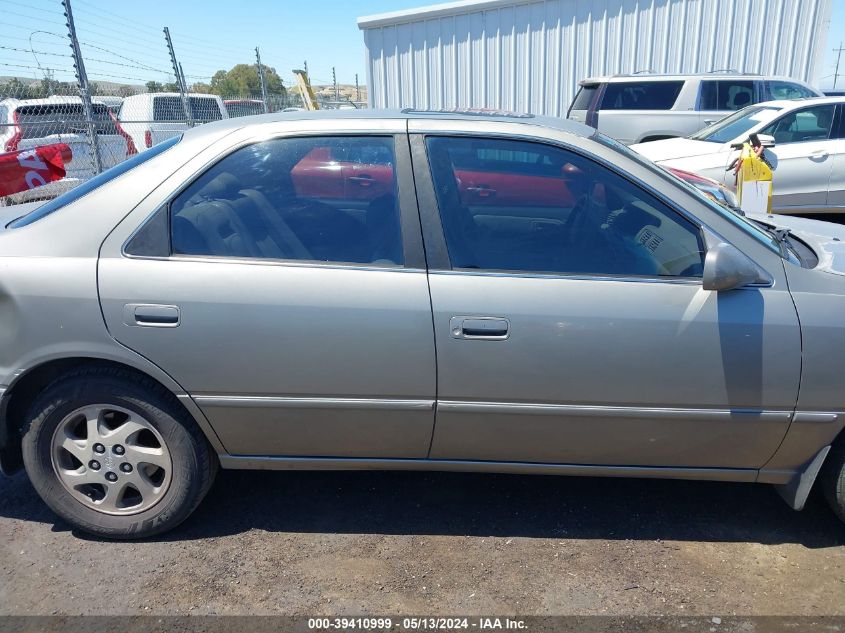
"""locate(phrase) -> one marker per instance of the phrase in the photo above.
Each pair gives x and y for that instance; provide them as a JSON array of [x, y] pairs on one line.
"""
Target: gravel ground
[[421, 543]]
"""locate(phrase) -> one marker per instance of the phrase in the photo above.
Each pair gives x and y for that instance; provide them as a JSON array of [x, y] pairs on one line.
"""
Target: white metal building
[[529, 55]]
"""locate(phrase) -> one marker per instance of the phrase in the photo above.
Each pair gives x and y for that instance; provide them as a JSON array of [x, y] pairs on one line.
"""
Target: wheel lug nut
[[112, 477], [117, 449], [125, 467], [94, 464], [99, 448]]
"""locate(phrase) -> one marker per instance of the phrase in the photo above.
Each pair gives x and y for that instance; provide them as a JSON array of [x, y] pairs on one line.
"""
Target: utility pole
[[838, 52], [357, 89], [334, 82], [180, 80], [261, 79], [84, 89]]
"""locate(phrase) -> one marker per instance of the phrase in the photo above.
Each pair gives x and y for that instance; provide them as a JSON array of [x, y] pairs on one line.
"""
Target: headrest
[[224, 185]]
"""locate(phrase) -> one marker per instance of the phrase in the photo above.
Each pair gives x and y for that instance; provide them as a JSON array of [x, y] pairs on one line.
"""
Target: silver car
[[414, 290]]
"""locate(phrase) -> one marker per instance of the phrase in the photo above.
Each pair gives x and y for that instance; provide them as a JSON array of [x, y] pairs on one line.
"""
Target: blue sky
[[122, 41]]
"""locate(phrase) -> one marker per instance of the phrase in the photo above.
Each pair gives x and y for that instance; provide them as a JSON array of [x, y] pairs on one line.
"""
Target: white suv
[[157, 116], [643, 107]]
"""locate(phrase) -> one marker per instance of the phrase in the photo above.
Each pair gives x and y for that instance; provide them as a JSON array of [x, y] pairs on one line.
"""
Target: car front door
[[802, 158], [299, 323], [581, 333]]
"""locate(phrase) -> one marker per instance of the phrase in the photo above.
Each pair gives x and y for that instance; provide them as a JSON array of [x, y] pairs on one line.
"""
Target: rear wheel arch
[[20, 395]]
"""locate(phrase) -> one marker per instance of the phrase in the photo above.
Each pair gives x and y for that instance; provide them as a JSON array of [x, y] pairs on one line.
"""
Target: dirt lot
[[400, 543]]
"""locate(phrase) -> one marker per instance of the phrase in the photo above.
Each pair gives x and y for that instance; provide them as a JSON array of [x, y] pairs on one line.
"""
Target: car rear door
[[717, 98], [300, 326], [590, 340], [836, 189]]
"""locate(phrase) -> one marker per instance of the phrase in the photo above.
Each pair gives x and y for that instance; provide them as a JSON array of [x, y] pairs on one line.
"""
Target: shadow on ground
[[484, 505]]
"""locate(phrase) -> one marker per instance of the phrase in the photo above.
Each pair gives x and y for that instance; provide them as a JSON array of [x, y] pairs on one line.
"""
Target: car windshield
[[736, 124], [742, 223], [90, 185]]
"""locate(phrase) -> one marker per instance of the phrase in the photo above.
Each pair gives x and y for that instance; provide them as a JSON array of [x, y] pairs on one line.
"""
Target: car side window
[[641, 95], [726, 95], [530, 207], [295, 198], [809, 124], [780, 90]]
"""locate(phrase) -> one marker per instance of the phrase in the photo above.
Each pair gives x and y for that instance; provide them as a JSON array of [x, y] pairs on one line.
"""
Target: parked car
[[112, 103], [153, 117], [243, 107], [834, 93], [806, 147], [194, 307], [646, 107], [29, 123]]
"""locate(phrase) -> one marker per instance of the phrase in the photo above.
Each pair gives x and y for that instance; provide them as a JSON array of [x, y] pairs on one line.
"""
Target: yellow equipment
[[309, 100], [753, 182]]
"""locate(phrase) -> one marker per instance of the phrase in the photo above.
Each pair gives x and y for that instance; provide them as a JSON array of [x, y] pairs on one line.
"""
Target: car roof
[[146, 95], [16, 103], [794, 104], [457, 115], [646, 76]]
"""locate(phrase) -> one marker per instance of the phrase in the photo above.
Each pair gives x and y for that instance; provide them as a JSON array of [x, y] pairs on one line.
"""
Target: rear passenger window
[[322, 199], [726, 95], [641, 95], [584, 97], [529, 207]]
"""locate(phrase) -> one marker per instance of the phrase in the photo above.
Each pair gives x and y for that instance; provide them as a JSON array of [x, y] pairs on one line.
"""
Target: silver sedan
[[417, 290]]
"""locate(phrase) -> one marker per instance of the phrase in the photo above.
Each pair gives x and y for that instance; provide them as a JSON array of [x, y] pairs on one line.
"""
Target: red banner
[[30, 168]]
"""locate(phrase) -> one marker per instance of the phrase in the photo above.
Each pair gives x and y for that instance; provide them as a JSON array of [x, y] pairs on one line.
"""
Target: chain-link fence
[[52, 137]]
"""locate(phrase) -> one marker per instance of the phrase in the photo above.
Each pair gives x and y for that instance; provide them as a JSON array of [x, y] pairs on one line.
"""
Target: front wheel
[[116, 456]]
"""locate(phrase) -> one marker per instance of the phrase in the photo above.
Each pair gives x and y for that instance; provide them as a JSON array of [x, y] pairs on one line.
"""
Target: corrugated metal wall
[[529, 56]]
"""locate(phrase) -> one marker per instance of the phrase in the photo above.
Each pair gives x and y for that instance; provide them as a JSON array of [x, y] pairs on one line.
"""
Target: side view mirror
[[766, 140], [728, 268]]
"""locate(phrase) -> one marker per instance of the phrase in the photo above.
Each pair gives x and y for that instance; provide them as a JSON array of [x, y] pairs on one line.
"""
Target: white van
[[157, 116]]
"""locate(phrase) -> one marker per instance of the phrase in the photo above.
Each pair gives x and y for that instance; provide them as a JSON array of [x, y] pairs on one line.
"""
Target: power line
[[27, 6], [30, 50], [33, 17]]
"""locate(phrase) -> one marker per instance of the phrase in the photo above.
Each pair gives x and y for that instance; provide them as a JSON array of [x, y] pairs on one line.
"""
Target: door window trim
[[409, 220], [437, 253]]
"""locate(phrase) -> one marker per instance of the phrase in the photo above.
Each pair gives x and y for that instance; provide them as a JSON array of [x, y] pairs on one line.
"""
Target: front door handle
[[484, 328], [151, 315]]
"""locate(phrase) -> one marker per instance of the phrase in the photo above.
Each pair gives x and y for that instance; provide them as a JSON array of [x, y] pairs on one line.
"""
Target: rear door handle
[[484, 328], [151, 315], [819, 153]]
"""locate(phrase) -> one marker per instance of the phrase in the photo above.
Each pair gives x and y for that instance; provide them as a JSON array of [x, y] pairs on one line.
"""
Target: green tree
[[156, 86], [126, 91], [14, 88], [243, 80], [200, 88]]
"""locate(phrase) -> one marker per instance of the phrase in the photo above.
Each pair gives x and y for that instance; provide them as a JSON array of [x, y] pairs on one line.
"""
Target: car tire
[[116, 455], [832, 477]]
